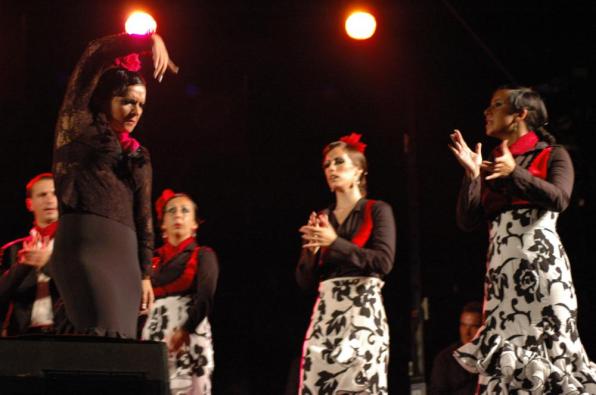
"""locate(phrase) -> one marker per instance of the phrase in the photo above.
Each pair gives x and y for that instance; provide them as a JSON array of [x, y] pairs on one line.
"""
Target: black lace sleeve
[[143, 216]]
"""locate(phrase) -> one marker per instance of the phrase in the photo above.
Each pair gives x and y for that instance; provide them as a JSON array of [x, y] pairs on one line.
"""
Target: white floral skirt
[[191, 368], [529, 343], [346, 349]]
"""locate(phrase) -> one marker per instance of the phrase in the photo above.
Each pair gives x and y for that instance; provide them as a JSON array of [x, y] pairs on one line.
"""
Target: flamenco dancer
[[348, 248], [529, 343], [184, 280], [102, 253]]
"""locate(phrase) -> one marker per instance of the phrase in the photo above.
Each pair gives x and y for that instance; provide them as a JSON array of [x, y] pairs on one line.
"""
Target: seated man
[[448, 377], [27, 294]]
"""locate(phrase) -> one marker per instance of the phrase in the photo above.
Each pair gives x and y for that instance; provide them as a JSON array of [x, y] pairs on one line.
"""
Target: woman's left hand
[[148, 297], [503, 165], [319, 236], [178, 338], [161, 58]]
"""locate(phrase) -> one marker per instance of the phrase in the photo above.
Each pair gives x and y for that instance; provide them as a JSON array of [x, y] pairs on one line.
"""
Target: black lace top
[[91, 172]]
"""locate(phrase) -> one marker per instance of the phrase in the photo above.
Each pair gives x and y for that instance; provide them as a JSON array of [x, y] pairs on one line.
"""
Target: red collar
[[47, 231], [524, 144], [169, 251]]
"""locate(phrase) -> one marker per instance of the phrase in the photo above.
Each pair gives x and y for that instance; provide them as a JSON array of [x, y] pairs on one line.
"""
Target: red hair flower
[[160, 204], [129, 62], [353, 140]]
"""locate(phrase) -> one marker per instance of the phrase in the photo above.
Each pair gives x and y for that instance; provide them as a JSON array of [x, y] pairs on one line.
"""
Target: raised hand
[[308, 232], [322, 235], [36, 252], [470, 160], [503, 165], [161, 59]]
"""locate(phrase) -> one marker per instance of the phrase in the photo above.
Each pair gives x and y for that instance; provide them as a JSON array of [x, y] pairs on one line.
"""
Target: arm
[[12, 274], [379, 253], [469, 212], [142, 214], [96, 59], [307, 273], [206, 283], [553, 193]]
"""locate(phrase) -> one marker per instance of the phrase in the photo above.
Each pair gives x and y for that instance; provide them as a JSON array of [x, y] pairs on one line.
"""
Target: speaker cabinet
[[32, 365]]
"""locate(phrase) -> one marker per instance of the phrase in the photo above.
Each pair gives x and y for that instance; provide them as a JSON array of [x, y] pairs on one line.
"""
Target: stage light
[[361, 25], [140, 23]]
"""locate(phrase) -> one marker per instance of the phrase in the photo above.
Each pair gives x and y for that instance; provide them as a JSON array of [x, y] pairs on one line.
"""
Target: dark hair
[[525, 98], [356, 157], [35, 180], [113, 82], [472, 307]]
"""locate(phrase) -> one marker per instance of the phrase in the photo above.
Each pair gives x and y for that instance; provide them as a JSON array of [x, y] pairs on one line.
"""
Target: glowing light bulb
[[361, 25], [140, 23]]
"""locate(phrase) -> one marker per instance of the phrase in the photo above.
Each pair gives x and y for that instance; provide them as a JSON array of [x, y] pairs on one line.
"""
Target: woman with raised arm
[[184, 279], [348, 249], [102, 253], [529, 342]]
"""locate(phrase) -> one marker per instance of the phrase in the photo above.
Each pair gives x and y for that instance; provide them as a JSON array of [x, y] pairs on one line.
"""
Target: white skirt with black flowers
[[191, 369], [346, 349], [529, 342]]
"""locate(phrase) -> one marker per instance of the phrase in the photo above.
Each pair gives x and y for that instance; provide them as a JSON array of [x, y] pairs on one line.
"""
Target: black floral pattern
[[531, 310], [526, 281], [192, 367], [347, 344]]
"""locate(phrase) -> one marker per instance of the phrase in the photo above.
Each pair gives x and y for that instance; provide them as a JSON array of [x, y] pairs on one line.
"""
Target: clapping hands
[[472, 161], [317, 233], [36, 252]]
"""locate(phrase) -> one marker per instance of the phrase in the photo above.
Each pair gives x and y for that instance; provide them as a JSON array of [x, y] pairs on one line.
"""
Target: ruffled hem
[[507, 366], [67, 328]]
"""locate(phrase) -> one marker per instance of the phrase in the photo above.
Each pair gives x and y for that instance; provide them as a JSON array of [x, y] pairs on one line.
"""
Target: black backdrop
[[263, 86]]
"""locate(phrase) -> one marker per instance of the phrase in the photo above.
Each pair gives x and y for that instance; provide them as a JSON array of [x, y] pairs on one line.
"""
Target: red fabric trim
[[523, 144], [48, 231], [538, 168], [365, 230], [182, 283], [169, 251]]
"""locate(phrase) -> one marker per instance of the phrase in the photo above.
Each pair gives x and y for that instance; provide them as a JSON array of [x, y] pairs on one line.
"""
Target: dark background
[[263, 87]]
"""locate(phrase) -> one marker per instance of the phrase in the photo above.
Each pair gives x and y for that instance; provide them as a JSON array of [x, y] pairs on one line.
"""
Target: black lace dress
[[104, 242]]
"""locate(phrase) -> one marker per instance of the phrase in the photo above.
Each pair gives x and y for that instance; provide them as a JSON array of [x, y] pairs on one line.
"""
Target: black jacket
[[18, 287]]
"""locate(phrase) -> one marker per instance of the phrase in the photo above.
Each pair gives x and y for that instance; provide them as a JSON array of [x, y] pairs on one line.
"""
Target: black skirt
[[96, 268]]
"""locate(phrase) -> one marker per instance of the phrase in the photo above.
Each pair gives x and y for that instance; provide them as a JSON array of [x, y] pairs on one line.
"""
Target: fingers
[[479, 149], [324, 220], [505, 147], [172, 66]]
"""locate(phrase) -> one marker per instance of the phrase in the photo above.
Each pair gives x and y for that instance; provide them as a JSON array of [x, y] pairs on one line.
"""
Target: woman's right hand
[[161, 59], [307, 234], [470, 160]]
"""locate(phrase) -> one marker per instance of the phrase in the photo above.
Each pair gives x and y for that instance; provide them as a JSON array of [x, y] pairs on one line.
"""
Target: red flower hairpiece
[[160, 204], [353, 140], [129, 62]]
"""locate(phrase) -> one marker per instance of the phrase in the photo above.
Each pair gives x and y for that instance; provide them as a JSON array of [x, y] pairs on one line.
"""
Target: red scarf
[[184, 282], [47, 231], [522, 145], [128, 144]]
